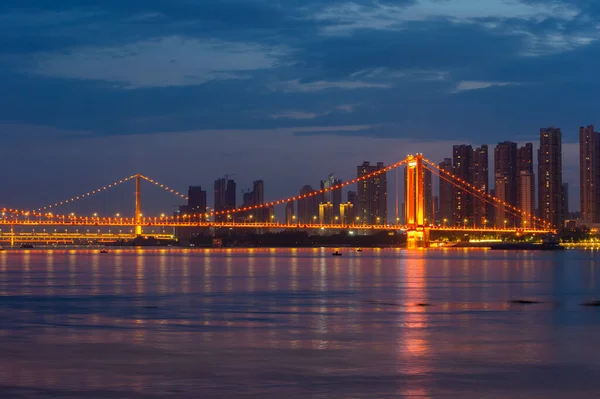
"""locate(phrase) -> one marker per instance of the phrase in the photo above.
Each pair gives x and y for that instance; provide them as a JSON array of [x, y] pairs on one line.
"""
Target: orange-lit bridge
[[417, 227]]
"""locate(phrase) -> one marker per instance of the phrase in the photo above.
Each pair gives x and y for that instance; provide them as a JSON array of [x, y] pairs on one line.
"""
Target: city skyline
[[168, 202], [178, 89]]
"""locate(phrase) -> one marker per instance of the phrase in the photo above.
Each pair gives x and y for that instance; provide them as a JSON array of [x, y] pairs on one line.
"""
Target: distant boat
[[359, 250], [336, 253], [103, 251], [27, 246]]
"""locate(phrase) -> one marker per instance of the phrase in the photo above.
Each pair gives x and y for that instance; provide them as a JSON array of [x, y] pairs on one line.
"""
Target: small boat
[[359, 250], [103, 251], [26, 246], [336, 253]]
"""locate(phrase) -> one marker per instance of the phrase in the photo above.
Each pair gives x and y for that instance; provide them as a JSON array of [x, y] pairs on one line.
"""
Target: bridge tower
[[414, 202], [138, 205]]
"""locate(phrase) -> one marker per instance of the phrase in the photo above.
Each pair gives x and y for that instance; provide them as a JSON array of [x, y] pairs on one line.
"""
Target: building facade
[[308, 210], [481, 183], [224, 196], [446, 196], [290, 213], [589, 174], [550, 196], [526, 185], [372, 195], [505, 182], [462, 168]]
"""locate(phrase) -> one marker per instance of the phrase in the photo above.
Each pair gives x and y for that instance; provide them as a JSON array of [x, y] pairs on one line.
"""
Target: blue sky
[[287, 91]]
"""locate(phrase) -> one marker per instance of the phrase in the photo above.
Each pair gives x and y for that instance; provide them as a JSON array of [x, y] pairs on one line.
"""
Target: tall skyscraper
[[352, 198], [290, 213], [550, 176], [372, 195], [224, 197], [565, 200], [446, 196], [335, 196], [308, 210], [196, 200], [481, 183], [347, 213], [589, 174], [505, 182], [258, 190], [526, 184], [462, 166]]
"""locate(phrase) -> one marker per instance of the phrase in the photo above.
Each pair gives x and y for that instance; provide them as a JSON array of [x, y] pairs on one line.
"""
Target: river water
[[300, 323]]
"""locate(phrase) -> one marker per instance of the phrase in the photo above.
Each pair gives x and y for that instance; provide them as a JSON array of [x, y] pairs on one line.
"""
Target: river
[[286, 323]]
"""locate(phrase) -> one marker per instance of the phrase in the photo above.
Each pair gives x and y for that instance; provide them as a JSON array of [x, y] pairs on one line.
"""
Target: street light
[[445, 221], [465, 224]]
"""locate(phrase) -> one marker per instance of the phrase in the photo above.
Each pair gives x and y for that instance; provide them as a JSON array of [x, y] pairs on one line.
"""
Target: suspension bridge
[[416, 225]]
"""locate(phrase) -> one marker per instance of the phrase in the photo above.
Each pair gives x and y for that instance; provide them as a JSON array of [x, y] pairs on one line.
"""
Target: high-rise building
[[446, 195], [372, 195], [526, 198], [196, 201], [589, 174], [224, 197], [326, 213], [525, 185], [196, 205], [565, 200], [332, 196], [308, 210], [462, 168], [481, 183], [290, 213], [505, 182], [347, 213], [550, 176], [258, 190], [352, 198]]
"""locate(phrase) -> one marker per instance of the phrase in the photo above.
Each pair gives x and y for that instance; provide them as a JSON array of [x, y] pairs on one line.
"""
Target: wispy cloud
[[300, 115], [298, 86], [169, 61], [467, 85], [346, 17]]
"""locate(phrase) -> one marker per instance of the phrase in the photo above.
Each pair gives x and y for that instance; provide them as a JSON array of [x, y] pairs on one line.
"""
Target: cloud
[[346, 107], [297, 115], [304, 87], [350, 16], [467, 85], [169, 61]]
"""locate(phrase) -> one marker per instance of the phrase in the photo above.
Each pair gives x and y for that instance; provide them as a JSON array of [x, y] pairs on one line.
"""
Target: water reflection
[[299, 323]]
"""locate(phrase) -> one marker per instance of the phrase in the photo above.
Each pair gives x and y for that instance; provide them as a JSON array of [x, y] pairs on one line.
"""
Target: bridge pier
[[414, 202], [418, 238]]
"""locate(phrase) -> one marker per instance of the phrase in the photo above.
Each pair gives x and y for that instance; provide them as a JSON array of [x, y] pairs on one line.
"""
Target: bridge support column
[[414, 200], [414, 196], [12, 235], [138, 206]]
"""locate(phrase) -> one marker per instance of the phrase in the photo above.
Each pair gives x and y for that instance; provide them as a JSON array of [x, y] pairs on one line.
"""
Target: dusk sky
[[286, 91]]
